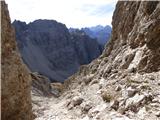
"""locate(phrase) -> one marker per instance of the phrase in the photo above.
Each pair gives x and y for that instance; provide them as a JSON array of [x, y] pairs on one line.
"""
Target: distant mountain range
[[48, 47], [102, 34]]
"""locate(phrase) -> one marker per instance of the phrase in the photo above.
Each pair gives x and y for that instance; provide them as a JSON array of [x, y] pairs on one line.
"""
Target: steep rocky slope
[[124, 82], [15, 82], [47, 47]]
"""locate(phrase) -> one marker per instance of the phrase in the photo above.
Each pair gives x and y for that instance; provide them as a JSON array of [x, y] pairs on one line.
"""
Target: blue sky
[[73, 13]]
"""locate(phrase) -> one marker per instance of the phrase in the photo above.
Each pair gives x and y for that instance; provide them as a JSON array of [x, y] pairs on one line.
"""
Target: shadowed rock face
[[47, 47], [101, 33], [15, 82], [86, 48]]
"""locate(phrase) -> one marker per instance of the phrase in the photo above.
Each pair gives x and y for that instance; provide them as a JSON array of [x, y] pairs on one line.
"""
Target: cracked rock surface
[[15, 78]]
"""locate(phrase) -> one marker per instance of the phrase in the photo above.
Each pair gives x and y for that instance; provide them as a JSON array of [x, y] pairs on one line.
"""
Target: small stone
[[86, 107], [121, 110], [106, 96], [131, 92], [100, 86], [86, 118], [155, 105], [99, 92], [136, 100], [152, 78], [77, 101], [95, 81], [118, 88], [87, 80], [155, 100], [121, 101], [115, 71], [157, 114], [74, 102], [95, 111], [142, 112], [132, 70], [69, 105], [115, 105]]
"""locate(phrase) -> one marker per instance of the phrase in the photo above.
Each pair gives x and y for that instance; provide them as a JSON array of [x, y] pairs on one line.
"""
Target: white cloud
[[73, 13]]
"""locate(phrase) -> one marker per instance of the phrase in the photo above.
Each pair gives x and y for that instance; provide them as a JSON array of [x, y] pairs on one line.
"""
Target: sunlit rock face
[[48, 48], [135, 41], [15, 82]]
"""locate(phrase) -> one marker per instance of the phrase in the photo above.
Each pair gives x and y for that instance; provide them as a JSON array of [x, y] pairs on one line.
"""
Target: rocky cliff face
[[135, 37], [15, 82], [86, 48], [47, 47]]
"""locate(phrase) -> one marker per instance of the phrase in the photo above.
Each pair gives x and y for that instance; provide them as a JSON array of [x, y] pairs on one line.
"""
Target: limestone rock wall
[[15, 91], [135, 42]]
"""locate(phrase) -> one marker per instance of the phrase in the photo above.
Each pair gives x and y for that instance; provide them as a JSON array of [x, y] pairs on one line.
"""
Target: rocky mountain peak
[[50, 42]]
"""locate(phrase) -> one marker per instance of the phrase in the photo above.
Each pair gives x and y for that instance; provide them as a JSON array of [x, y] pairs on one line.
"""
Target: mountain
[[48, 48], [101, 33], [15, 79]]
